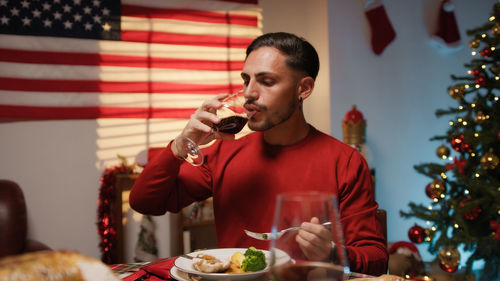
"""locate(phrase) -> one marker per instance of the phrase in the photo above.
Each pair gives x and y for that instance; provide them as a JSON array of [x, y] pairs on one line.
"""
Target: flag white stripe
[[102, 99], [69, 45], [121, 74], [188, 27]]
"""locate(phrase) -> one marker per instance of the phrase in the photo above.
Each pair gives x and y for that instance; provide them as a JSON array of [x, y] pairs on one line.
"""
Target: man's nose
[[250, 91]]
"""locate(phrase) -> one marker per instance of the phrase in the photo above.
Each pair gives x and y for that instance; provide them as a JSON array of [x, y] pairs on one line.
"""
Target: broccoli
[[255, 260]]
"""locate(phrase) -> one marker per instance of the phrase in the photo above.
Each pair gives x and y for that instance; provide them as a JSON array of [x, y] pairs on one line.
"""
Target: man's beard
[[276, 117]]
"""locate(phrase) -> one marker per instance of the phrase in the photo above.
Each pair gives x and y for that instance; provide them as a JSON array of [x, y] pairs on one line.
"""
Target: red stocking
[[382, 32], [447, 29]]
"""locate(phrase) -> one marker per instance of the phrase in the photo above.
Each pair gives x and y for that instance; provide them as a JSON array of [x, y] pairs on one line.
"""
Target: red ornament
[[458, 144], [476, 72], [416, 234], [429, 193], [448, 268], [496, 227], [486, 52], [481, 81], [473, 213]]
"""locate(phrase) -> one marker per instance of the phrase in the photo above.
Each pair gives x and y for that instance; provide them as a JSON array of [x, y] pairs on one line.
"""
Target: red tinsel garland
[[106, 226]]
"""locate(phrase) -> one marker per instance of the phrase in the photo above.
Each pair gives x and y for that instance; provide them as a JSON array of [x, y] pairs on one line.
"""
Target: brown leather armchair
[[14, 222]]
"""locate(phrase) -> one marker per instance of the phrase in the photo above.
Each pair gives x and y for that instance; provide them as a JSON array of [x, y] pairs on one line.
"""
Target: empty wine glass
[[233, 119], [292, 209]]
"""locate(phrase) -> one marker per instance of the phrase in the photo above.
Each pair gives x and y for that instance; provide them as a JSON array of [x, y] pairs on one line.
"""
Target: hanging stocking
[[447, 34], [382, 31]]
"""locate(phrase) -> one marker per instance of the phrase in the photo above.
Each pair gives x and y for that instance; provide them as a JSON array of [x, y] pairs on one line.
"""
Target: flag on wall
[[86, 59]]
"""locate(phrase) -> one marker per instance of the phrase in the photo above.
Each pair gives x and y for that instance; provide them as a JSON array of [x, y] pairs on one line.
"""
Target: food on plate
[[252, 260], [255, 260], [236, 260], [210, 264]]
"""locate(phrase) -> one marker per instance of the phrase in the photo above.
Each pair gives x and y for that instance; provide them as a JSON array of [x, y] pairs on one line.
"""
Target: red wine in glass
[[231, 125]]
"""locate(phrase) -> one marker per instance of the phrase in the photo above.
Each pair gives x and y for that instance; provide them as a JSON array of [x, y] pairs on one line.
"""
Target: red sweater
[[244, 177]]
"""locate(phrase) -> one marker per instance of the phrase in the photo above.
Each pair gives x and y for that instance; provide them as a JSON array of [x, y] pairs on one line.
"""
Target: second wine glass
[[292, 209]]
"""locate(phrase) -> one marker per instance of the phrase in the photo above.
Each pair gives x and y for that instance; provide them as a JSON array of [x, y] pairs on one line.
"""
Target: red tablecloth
[[156, 270]]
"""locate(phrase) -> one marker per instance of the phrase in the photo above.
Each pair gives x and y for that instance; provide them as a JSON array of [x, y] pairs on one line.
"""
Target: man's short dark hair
[[301, 54]]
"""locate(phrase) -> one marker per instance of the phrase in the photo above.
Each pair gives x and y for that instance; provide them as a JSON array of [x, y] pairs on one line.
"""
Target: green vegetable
[[255, 260]]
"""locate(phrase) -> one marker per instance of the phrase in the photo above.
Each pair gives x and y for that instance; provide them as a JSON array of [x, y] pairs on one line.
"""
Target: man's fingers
[[311, 250], [206, 117]]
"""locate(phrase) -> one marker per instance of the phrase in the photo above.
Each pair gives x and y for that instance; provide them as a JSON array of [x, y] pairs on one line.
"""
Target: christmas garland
[[106, 226]]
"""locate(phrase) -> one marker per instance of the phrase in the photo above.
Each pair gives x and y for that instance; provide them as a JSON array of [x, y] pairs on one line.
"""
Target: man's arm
[[166, 184], [363, 235]]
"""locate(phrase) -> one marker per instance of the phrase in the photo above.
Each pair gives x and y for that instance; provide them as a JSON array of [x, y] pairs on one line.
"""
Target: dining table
[[162, 269]]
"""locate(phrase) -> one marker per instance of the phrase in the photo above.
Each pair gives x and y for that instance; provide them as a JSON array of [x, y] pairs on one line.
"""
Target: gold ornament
[[489, 160], [429, 234], [457, 92], [496, 29], [480, 117], [474, 43], [449, 258], [443, 152], [437, 187]]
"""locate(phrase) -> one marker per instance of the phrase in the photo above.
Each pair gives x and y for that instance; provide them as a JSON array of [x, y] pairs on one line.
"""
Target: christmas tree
[[464, 187]]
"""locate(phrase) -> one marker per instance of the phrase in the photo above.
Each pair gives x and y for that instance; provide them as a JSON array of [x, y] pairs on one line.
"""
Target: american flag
[[86, 59]]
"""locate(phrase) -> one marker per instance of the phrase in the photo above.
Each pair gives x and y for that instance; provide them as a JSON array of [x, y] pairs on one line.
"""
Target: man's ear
[[305, 87]]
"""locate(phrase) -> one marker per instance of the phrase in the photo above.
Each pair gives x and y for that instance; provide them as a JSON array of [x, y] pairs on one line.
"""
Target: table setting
[[284, 260]]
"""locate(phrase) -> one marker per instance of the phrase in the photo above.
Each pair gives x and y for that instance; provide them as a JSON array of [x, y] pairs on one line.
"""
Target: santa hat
[[405, 248]]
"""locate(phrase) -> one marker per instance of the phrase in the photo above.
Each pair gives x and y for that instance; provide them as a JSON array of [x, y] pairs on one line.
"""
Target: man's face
[[270, 88]]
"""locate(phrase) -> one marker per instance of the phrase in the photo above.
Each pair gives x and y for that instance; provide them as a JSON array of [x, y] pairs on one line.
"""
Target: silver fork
[[267, 235]]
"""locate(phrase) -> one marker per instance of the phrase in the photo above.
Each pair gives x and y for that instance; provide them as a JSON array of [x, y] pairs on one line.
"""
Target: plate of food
[[229, 263]]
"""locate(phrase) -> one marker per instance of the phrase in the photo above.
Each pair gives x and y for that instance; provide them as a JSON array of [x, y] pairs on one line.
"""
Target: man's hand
[[199, 127], [315, 240]]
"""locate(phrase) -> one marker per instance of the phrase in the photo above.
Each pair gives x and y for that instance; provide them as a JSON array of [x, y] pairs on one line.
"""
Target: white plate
[[186, 264], [179, 275]]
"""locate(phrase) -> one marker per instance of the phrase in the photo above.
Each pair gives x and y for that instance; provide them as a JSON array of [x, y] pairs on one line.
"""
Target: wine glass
[[292, 209], [233, 119]]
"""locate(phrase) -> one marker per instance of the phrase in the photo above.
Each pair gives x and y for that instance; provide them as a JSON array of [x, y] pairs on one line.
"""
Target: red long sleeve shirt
[[244, 177]]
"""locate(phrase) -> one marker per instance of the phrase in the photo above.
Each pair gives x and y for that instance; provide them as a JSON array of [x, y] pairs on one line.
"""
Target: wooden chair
[[382, 217]]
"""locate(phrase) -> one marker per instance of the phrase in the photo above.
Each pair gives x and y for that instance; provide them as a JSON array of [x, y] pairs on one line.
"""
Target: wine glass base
[[194, 155]]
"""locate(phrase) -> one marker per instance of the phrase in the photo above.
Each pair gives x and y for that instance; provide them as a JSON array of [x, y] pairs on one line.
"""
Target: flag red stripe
[[65, 58], [96, 86], [185, 39], [188, 15], [59, 113]]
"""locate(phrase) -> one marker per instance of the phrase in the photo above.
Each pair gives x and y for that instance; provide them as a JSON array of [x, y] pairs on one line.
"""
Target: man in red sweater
[[284, 154]]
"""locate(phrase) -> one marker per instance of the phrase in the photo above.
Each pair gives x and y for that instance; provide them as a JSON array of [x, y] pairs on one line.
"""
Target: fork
[[267, 235]]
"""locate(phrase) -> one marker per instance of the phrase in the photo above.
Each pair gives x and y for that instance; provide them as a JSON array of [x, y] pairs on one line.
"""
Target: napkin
[[158, 270]]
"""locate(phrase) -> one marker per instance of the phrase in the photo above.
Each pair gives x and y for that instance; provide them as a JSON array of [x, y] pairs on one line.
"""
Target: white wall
[[398, 92], [311, 22]]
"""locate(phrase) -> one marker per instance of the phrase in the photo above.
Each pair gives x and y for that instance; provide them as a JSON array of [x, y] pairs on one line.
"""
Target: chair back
[[13, 219], [382, 217]]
